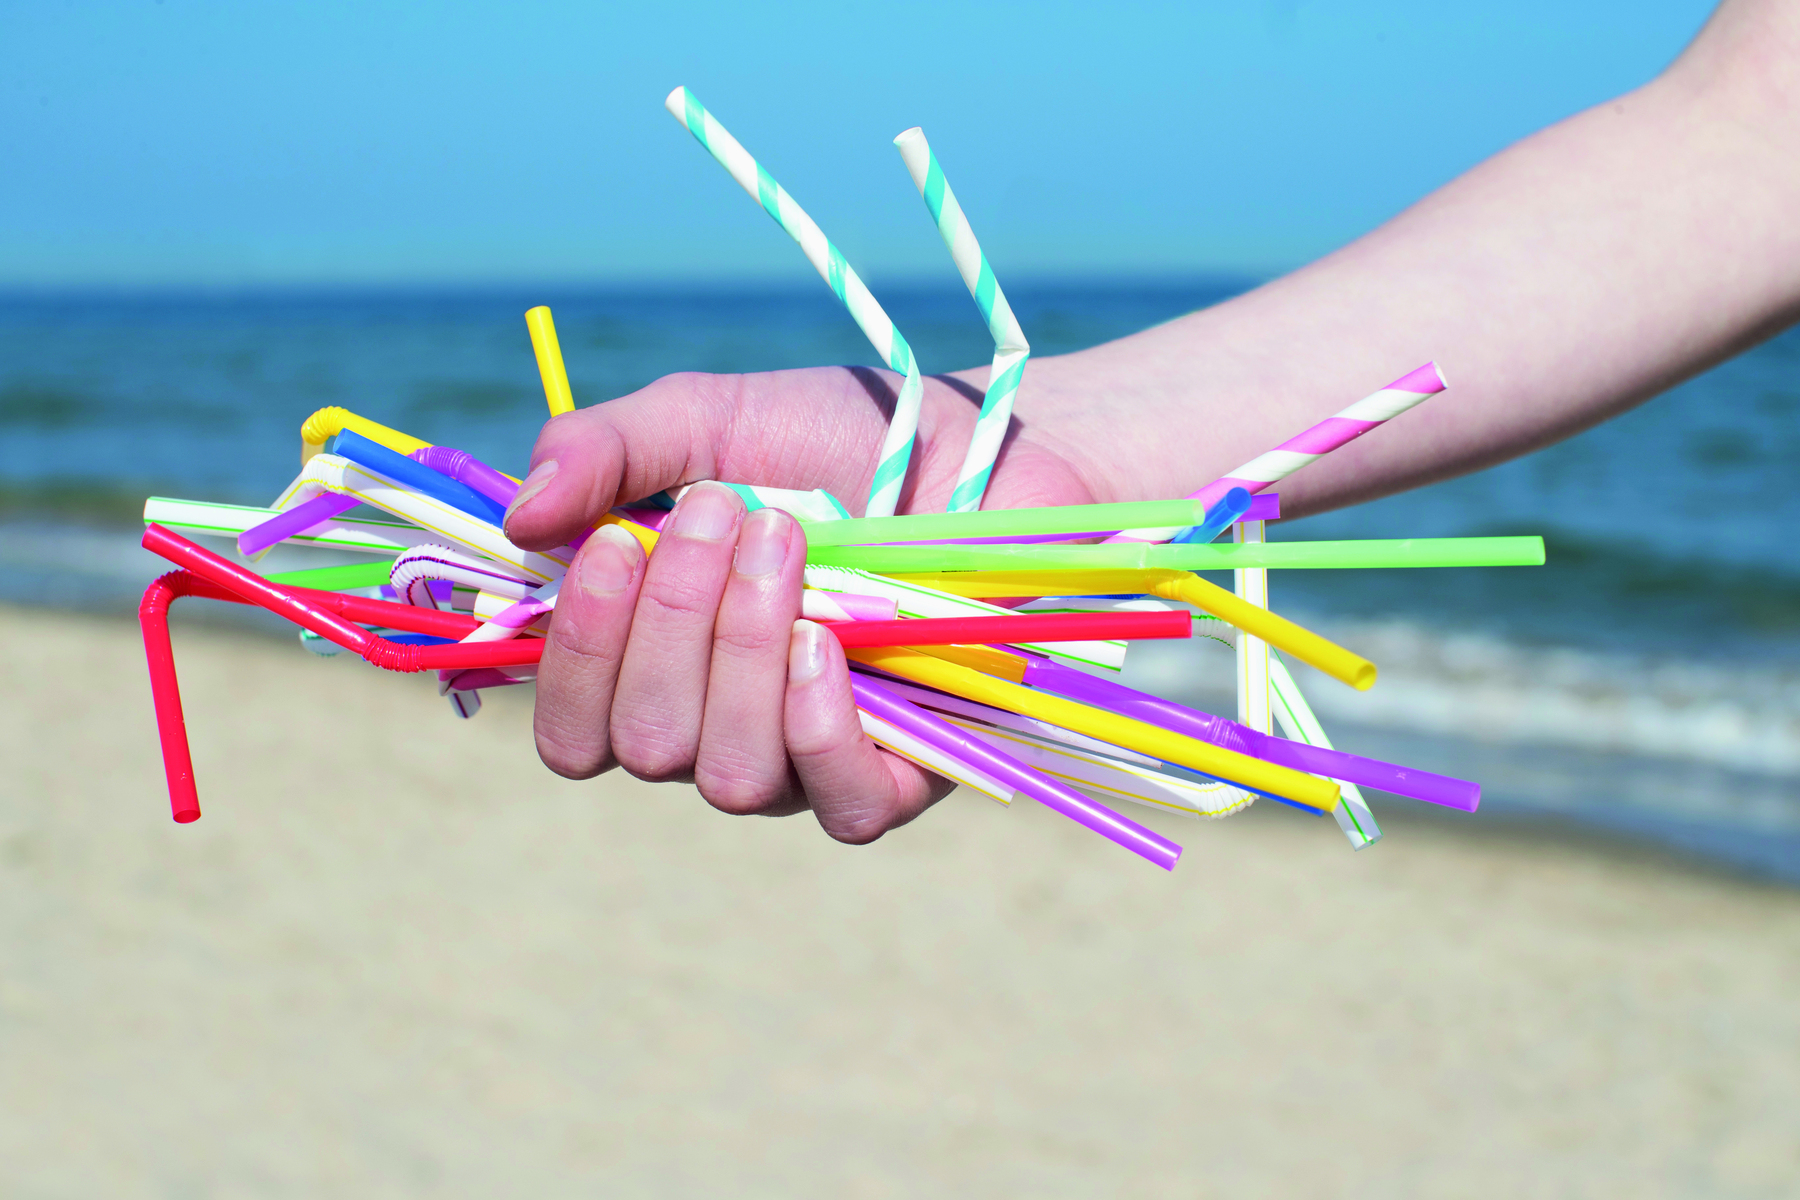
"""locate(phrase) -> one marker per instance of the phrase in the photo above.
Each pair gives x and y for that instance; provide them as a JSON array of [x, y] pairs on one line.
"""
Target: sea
[[1644, 684]]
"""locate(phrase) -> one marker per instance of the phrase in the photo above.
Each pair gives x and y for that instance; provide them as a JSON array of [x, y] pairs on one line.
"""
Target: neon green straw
[[336, 579], [1001, 522], [1406, 552]]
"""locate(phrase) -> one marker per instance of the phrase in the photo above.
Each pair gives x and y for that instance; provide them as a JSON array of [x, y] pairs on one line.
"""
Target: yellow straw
[[1159, 743], [327, 423], [985, 659], [983, 585], [550, 360], [1283, 634], [1183, 586]]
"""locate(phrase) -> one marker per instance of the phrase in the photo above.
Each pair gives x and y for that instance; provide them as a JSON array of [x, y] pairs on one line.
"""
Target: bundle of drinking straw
[[981, 641]]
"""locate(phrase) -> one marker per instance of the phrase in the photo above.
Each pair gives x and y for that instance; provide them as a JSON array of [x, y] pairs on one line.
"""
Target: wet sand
[[398, 958]]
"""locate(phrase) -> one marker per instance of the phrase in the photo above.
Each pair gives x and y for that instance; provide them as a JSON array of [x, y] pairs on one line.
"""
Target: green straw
[[1405, 552], [336, 579], [1004, 522]]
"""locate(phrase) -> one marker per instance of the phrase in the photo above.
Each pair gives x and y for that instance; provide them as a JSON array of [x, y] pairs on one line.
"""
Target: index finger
[[587, 461]]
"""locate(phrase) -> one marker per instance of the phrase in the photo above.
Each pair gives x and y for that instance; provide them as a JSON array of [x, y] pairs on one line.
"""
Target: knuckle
[[649, 752], [583, 642], [679, 600], [753, 641], [572, 759], [857, 826], [740, 788]]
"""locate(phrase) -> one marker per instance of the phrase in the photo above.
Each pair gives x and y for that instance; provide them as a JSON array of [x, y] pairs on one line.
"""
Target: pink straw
[[1408, 391]]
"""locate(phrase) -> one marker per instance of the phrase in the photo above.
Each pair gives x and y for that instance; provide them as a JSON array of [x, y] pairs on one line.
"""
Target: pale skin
[[1573, 276]]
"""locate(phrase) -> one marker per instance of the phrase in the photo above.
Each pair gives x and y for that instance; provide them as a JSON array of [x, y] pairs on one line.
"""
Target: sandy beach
[[399, 958]]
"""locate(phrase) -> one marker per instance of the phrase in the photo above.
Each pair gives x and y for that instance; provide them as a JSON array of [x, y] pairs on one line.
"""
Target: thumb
[[587, 461]]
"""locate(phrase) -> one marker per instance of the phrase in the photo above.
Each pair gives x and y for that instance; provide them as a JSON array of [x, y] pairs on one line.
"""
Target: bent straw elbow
[[1343, 665], [330, 421]]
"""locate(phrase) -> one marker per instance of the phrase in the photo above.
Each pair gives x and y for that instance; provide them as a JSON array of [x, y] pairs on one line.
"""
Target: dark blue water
[[1670, 529]]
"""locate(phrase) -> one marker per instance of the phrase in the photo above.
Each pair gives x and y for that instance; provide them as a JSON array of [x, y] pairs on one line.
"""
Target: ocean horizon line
[[722, 284]]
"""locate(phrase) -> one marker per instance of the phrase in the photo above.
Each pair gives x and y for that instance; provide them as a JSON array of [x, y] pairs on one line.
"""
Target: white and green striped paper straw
[[896, 449], [1010, 348], [1297, 721]]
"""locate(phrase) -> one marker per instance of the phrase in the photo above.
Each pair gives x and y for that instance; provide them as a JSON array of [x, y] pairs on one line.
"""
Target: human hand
[[691, 665]]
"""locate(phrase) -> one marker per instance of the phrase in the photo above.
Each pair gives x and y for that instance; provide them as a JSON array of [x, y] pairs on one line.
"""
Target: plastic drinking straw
[[1010, 348], [1141, 736], [165, 687], [1233, 506], [1038, 627], [165, 692], [1147, 843], [845, 606], [549, 360], [1001, 522], [459, 465], [897, 741], [282, 526], [914, 601], [1383, 554], [465, 468], [335, 579], [1258, 622], [413, 570], [1408, 391], [417, 476], [1252, 587], [329, 472], [327, 423], [1312, 753], [1296, 719], [897, 446], [326, 622], [984, 584], [230, 520], [1265, 507], [1082, 761]]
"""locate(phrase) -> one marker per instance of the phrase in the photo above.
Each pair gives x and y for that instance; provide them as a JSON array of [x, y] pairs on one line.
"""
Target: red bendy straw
[[1032, 628], [216, 578]]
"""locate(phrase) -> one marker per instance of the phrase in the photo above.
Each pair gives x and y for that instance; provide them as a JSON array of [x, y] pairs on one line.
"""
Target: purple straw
[[459, 465], [878, 701], [296, 520], [1230, 735], [469, 471]]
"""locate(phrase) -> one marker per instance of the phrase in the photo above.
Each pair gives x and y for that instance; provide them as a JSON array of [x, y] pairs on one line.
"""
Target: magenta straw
[[294, 521], [878, 701], [1230, 735]]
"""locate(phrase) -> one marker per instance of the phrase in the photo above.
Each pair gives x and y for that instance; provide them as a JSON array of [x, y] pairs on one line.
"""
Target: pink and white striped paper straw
[[1405, 392]]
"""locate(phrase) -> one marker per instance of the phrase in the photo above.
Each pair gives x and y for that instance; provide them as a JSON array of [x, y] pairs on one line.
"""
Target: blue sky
[[180, 143]]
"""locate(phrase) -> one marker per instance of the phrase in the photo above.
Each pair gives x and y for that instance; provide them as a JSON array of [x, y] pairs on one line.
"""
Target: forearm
[[1578, 273]]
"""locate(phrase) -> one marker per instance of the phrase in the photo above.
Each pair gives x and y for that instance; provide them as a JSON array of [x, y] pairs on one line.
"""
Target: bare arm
[[1579, 273]]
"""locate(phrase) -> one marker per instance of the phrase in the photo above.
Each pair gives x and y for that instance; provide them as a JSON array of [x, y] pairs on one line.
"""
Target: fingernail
[[806, 652], [708, 510], [537, 481], [762, 546], [608, 561]]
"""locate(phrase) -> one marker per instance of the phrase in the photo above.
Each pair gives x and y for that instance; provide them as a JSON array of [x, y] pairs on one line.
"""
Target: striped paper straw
[[1300, 725], [897, 447], [1406, 392], [1010, 348]]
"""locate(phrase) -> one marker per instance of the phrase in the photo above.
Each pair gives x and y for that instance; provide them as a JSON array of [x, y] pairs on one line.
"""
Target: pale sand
[[398, 958]]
